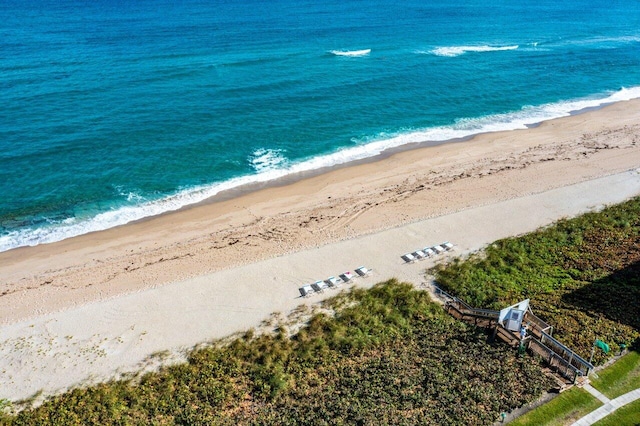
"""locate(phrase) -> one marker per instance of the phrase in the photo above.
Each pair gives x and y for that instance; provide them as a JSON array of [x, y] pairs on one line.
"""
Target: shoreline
[[137, 332], [103, 305], [342, 203], [292, 177]]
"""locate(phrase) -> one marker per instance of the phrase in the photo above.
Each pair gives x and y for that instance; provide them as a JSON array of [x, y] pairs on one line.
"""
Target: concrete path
[[595, 392], [608, 407]]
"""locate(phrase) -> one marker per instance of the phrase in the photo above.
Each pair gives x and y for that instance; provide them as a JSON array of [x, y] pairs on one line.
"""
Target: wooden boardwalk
[[563, 364]]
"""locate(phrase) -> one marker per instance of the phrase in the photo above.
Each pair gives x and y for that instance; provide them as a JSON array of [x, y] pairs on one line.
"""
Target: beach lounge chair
[[319, 286], [409, 258], [306, 290], [419, 254], [428, 251], [447, 246], [363, 272], [438, 249], [346, 277], [332, 282]]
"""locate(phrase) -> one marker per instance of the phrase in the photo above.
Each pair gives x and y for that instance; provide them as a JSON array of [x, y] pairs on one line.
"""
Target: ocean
[[113, 110]]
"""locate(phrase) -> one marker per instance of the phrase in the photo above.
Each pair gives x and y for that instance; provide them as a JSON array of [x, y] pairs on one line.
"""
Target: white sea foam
[[271, 165], [264, 159], [452, 51], [596, 41], [608, 40], [352, 53]]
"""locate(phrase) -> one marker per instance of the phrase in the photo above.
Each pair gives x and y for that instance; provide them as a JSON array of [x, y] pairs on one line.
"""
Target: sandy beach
[[96, 306]]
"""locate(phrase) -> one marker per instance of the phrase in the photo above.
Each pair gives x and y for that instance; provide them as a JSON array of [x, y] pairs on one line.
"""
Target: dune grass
[[389, 355], [582, 276]]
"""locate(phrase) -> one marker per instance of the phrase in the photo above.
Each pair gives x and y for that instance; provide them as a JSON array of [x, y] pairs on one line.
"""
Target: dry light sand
[[90, 308]]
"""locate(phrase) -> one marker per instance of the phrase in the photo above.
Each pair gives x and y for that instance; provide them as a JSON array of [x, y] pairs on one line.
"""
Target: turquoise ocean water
[[115, 110]]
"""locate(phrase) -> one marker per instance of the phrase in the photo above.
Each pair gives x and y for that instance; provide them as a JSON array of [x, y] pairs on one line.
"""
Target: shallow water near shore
[[113, 112]]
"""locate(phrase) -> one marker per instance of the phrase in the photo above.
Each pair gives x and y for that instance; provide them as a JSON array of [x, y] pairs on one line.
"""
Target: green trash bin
[[622, 347]]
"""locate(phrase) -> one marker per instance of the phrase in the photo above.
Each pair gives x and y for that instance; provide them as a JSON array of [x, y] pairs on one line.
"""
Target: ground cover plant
[[389, 355], [582, 276]]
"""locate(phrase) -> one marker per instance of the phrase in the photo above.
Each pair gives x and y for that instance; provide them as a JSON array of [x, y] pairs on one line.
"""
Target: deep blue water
[[114, 110]]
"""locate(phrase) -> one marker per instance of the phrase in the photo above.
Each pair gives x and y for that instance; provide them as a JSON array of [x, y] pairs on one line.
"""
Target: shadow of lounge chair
[[306, 291], [346, 277], [363, 272], [409, 258], [419, 254], [332, 282], [319, 286], [438, 249], [428, 251]]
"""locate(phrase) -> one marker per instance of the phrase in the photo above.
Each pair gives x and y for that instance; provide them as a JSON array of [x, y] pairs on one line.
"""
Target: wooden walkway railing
[[539, 341]]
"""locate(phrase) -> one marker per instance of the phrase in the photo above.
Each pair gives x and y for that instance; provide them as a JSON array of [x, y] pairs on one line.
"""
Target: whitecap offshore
[[452, 51], [351, 53], [273, 166], [605, 41]]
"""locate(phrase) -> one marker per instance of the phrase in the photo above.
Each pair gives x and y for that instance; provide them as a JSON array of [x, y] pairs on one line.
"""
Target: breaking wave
[[452, 51], [270, 165], [264, 159], [352, 53]]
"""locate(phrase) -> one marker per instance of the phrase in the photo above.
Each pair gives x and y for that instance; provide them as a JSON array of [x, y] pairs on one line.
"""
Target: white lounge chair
[[332, 282], [409, 258], [428, 251], [419, 254], [319, 286], [447, 246], [363, 272], [346, 277], [438, 249], [306, 290]]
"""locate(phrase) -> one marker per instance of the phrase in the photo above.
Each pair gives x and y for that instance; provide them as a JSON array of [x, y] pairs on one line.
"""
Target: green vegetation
[[582, 276], [564, 409], [619, 378], [389, 355], [615, 380], [627, 415]]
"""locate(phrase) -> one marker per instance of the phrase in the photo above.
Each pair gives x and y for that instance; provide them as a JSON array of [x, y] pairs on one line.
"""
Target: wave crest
[[271, 165], [352, 53], [264, 159], [452, 51]]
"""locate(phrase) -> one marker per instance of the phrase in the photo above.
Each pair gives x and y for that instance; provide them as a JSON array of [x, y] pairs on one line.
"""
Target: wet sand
[[102, 303]]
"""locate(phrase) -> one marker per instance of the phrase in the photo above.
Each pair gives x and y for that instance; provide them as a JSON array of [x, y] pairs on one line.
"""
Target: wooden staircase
[[563, 365]]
